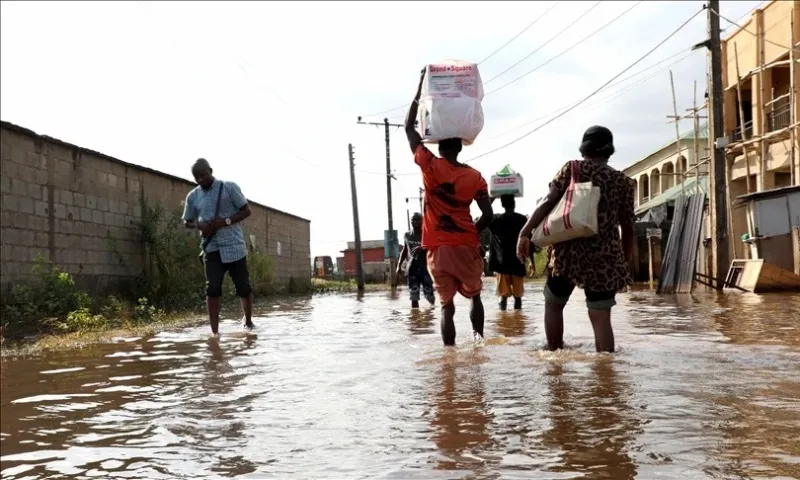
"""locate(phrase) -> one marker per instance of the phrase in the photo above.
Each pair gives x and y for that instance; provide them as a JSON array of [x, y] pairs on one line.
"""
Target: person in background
[[503, 261], [448, 232], [223, 245], [417, 267], [599, 264]]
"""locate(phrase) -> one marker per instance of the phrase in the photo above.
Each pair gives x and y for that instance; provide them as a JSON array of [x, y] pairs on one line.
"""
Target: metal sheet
[[772, 216], [680, 258], [666, 281], [690, 240]]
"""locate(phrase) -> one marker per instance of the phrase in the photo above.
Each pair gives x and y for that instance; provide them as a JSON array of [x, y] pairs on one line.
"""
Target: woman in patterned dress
[[598, 264]]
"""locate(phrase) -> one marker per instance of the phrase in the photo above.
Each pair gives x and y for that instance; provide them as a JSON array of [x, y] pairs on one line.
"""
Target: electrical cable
[[521, 32], [662, 42], [564, 51], [405, 105], [546, 43], [748, 31]]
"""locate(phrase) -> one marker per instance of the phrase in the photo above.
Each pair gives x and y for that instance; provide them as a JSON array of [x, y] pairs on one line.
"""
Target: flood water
[[345, 388]]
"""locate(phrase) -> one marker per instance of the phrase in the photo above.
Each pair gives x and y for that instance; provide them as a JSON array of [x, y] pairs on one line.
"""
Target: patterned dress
[[596, 263]]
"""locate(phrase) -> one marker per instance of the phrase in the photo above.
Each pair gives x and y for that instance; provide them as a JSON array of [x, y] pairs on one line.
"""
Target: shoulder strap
[[219, 198]]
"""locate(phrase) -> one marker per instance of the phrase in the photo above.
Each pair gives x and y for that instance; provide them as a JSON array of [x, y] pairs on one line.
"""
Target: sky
[[270, 92]]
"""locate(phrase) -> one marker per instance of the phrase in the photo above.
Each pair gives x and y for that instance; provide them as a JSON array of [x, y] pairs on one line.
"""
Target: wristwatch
[[228, 222]]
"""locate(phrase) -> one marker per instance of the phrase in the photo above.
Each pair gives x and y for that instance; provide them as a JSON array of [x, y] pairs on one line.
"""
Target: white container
[[506, 182], [458, 117], [450, 102]]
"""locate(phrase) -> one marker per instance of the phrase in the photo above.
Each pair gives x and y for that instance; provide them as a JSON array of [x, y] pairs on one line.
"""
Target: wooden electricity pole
[[389, 178], [716, 136], [356, 225]]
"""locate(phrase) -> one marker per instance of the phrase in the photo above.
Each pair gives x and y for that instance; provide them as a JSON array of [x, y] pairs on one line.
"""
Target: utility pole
[[389, 178], [717, 134], [356, 225]]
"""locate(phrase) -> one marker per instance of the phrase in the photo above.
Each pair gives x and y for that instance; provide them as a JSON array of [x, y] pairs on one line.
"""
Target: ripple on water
[[346, 387]]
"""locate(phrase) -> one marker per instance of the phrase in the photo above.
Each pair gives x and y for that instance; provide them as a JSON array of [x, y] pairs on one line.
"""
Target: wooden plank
[[774, 278]]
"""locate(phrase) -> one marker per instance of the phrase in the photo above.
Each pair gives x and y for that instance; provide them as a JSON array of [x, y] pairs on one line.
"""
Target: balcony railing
[[779, 115], [737, 133]]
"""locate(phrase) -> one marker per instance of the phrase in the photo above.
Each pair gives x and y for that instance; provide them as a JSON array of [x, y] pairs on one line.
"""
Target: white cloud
[[263, 88]]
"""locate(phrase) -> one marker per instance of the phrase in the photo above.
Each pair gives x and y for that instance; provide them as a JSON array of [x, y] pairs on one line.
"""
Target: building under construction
[[760, 81]]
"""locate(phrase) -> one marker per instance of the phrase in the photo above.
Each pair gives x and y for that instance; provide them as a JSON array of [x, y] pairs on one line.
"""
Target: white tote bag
[[575, 215]]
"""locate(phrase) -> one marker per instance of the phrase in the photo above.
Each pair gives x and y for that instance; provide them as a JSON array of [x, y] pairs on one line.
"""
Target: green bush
[[174, 275], [261, 271], [52, 294]]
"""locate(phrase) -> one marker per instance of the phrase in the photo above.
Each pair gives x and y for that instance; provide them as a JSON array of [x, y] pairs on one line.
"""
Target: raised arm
[[414, 138]]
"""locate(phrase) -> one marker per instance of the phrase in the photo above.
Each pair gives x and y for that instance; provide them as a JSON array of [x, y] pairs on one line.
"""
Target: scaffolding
[[758, 142], [771, 123]]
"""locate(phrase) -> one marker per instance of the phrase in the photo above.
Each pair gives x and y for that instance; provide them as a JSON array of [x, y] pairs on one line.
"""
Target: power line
[[683, 51], [568, 49], [591, 94], [751, 33], [604, 101], [686, 54], [521, 31], [405, 105], [547, 42]]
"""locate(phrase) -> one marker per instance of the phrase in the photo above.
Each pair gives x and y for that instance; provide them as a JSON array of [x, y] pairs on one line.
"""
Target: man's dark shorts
[[215, 274], [558, 290]]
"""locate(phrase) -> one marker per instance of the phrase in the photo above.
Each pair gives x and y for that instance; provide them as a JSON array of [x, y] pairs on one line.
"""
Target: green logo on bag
[[506, 171]]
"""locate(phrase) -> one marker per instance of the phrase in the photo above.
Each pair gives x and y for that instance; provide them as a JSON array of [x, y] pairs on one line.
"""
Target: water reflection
[[358, 386], [592, 424], [511, 324], [461, 421], [421, 322]]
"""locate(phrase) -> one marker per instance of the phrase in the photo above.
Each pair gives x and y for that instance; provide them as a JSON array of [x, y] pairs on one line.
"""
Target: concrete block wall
[[80, 209]]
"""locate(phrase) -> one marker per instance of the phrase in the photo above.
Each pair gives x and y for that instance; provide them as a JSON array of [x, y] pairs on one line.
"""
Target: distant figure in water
[[216, 209], [417, 267], [448, 232], [503, 261], [600, 264]]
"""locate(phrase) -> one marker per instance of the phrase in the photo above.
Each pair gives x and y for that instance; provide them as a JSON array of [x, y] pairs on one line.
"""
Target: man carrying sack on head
[[216, 208]]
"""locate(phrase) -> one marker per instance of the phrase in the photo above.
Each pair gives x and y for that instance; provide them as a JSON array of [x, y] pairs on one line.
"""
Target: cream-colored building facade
[[667, 167], [762, 150]]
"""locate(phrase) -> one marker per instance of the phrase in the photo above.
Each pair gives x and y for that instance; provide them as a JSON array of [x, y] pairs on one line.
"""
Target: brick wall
[[80, 208]]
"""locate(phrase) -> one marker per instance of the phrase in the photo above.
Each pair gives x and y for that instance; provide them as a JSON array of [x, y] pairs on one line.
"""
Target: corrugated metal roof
[[766, 194], [674, 192]]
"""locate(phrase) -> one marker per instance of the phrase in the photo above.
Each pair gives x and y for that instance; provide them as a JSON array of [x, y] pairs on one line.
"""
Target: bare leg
[[448, 325], [476, 315], [213, 305], [603, 333], [554, 325], [247, 309]]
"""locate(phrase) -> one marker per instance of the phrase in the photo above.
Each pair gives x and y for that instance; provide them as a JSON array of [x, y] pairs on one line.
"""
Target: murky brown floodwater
[[341, 388]]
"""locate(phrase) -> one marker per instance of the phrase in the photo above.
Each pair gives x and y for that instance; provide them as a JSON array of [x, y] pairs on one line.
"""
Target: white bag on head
[[450, 102]]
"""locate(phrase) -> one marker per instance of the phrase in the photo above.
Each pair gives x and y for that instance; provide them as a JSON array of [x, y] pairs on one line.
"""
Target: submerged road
[[345, 388]]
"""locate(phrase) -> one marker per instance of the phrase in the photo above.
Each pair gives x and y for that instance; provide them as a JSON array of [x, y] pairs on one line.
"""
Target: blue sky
[[269, 92]]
